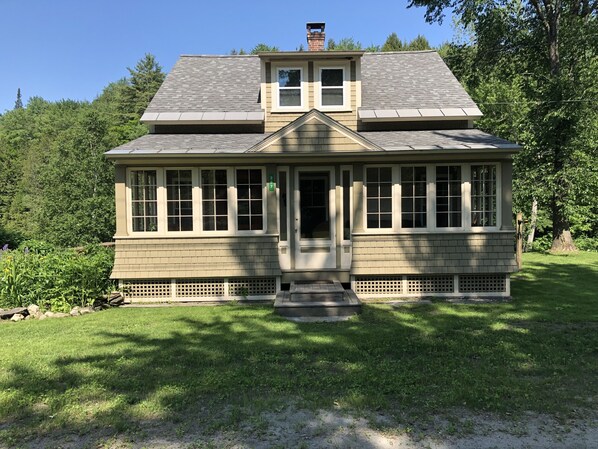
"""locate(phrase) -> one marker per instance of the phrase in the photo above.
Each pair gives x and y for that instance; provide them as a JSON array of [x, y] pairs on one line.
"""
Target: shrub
[[55, 279]]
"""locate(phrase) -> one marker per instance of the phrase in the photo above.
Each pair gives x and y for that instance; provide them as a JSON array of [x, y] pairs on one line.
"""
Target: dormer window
[[289, 87], [332, 87]]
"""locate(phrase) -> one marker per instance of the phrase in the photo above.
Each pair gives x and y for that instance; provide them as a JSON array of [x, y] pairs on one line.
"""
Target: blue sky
[[73, 48]]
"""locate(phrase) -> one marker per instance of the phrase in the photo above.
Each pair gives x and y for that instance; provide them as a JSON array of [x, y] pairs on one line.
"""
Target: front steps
[[317, 299]]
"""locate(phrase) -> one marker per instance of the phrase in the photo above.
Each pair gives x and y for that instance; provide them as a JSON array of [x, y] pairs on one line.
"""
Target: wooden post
[[519, 235]]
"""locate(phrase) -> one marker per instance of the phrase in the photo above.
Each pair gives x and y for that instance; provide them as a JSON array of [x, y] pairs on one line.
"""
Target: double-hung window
[[214, 200], [483, 195], [379, 197], [250, 209], [332, 86], [144, 197], [289, 87]]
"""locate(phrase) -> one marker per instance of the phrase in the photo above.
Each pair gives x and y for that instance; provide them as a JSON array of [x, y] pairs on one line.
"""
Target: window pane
[[214, 190], [386, 221], [379, 197], [483, 195], [332, 97], [346, 176], [249, 199], [243, 223], [290, 97], [332, 77], [289, 78], [448, 196], [243, 207]]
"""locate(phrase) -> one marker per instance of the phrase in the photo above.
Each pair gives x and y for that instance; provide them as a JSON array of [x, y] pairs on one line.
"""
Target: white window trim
[[393, 190], [276, 107], [160, 191], [230, 187], [264, 202], [163, 217], [431, 200], [346, 68], [344, 168]]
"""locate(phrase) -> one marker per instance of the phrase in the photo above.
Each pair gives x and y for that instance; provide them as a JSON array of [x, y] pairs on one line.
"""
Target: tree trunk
[[561, 233]]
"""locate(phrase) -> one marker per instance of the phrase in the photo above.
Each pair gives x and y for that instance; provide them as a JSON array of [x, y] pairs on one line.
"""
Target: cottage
[[264, 170]]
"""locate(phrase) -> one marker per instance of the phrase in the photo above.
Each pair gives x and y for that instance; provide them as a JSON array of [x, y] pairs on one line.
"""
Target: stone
[[7, 314], [60, 315], [86, 310], [41, 317], [17, 317], [29, 317], [75, 311], [49, 314], [33, 309], [116, 299]]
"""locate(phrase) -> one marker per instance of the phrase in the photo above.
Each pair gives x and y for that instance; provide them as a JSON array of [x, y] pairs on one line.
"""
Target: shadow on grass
[[216, 368]]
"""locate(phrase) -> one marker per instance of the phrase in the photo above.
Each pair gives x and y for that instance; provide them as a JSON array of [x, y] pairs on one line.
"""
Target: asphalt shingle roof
[[410, 80], [390, 81], [210, 84], [239, 143]]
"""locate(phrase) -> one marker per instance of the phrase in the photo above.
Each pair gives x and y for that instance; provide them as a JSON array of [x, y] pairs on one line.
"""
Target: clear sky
[[73, 48]]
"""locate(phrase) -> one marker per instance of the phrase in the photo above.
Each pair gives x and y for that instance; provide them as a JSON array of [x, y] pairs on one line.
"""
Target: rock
[[49, 314], [60, 315], [7, 314], [86, 310], [17, 317], [29, 317], [116, 299], [75, 311], [33, 309], [41, 317]]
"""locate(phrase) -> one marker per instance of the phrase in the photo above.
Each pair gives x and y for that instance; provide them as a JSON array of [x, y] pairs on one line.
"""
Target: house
[[263, 170]]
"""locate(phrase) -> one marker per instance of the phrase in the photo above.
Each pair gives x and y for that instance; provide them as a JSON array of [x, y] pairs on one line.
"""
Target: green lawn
[[122, 367]]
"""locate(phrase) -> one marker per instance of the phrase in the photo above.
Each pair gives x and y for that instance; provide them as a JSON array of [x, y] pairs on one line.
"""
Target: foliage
[[346, 43], [531, 67], [263, 48], [127, 368], [52, 278], [55, 183], [393, 43]]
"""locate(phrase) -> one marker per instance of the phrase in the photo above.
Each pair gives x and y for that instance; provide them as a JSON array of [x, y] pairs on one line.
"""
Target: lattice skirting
[[201, 289], [431, 285]]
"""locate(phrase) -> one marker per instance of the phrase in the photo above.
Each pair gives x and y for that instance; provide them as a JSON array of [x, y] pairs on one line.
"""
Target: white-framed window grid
[[431, 203], [198, 197]]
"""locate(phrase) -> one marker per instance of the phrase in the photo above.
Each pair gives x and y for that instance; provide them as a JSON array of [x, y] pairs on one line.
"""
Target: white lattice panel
[[429, 284], [379, 285], [199, 288], [252, 286], [482, 283], [147, 289]]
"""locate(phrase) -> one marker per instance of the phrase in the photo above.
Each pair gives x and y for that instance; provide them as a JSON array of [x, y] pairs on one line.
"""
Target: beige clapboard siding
[[313, 137], [450, 253], [167, 258]]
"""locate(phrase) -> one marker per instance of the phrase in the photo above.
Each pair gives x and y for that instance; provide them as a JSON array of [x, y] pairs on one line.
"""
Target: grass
[[122, 367]]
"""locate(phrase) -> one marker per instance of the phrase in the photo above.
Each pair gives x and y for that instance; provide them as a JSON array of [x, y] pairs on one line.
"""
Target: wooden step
[[328, 299]]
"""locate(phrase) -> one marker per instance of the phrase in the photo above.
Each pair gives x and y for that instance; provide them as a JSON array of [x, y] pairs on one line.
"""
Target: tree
[[263, 48], [346, 43], [145, 80], [19, 101], [551, 45], [418, 44], [392, 43]]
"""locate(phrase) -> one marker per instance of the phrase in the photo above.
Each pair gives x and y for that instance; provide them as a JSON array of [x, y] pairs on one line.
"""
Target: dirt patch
[[300, 428]]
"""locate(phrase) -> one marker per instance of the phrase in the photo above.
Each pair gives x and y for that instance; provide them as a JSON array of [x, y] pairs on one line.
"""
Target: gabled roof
[[314, 132], [395, 85]]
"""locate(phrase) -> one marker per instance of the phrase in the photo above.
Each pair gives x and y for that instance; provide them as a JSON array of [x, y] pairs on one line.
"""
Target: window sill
[[281, 110]]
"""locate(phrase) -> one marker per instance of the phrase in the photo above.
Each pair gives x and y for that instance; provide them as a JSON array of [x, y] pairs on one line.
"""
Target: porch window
[[413, 197], [379, 197], [179, 186], [448, 196], [289, 87], [483, 195], [144, 186], [332, 86], [214, 203], [250, 211]]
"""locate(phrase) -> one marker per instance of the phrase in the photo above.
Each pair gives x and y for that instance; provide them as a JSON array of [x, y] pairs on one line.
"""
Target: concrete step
[[316, 291], [317, 302]]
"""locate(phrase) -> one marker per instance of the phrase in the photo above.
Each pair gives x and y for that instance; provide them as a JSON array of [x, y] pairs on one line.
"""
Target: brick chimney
[[315, 36]]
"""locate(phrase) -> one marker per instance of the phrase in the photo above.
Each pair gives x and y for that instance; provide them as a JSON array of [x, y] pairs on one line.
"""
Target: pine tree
[[19, 101], [146, 78], [393, 43]]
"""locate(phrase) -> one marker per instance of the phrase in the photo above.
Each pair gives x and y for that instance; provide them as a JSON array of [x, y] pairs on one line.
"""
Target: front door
[[315, 238]]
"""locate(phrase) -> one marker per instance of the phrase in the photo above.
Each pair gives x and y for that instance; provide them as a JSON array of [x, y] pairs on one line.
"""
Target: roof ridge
[[219, 56], [399, 52]]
